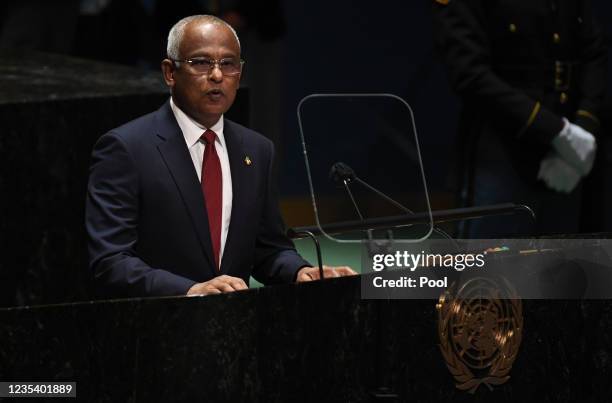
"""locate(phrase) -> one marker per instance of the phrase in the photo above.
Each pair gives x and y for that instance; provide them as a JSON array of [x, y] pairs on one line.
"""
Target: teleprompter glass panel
[[364, 167]]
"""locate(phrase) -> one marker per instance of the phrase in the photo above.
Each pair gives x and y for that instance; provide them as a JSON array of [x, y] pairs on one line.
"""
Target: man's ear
[[240, 80], [167, 67]]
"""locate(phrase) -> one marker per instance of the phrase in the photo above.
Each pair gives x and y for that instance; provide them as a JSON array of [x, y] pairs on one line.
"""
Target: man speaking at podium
[[181, 201]]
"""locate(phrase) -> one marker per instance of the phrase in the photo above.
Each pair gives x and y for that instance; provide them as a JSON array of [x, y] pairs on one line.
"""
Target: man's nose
[[215, 74]]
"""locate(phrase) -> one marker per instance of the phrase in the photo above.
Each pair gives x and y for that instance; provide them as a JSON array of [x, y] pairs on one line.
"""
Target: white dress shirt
[[192, 132]]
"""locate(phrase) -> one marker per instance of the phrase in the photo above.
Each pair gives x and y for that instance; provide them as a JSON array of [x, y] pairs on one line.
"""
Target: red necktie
[[212, 187]]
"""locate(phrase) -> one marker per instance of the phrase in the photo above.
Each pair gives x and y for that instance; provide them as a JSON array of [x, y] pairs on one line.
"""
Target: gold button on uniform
[[563, 98], [556, 38], [512, 28]]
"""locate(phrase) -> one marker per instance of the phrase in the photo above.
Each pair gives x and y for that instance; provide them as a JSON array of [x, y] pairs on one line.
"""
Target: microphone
[[342, 174]]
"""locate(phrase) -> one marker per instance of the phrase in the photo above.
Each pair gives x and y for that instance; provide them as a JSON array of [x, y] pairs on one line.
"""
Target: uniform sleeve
[[592, 77], [111, 218], [465, 48]]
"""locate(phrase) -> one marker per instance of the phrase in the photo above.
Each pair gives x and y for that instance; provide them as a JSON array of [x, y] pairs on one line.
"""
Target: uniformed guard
[[531, 76]]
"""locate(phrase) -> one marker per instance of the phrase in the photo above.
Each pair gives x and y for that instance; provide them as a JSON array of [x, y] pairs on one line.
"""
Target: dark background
[[292, 49], [322, 46]]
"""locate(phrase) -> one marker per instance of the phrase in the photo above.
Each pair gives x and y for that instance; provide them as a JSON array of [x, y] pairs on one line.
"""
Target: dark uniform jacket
[[520, 66]]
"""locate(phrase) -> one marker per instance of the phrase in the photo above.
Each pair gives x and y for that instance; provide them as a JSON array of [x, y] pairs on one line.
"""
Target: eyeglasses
[[202, 65]]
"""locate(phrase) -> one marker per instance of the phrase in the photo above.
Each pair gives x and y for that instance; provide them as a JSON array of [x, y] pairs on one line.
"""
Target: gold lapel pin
[[247, 160]]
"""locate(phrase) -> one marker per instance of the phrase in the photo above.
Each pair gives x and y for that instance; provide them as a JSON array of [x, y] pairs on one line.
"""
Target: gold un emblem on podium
[[480, 330]]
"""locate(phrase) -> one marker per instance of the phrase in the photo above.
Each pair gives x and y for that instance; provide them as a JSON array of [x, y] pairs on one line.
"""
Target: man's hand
[[218, 285], [312, 273]]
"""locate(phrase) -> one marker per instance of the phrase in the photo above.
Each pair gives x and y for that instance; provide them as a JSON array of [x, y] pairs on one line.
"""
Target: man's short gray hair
[[178, 30]]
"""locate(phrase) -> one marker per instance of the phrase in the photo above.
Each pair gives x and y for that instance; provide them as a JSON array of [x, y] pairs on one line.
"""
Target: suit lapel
[[178, 160], [236, 153]]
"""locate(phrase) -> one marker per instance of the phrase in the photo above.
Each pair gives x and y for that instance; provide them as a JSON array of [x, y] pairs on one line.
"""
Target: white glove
[[576, 146], [558, 174]]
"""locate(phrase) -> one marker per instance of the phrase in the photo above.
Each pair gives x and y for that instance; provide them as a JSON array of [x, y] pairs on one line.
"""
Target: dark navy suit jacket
[[146, 218]]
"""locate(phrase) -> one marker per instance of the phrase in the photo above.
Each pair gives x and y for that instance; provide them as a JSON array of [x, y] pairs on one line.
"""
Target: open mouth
[[214, 93]]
